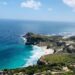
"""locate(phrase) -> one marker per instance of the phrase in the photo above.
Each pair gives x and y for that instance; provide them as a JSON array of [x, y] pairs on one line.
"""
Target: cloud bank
[[70, 3], [33, 4]]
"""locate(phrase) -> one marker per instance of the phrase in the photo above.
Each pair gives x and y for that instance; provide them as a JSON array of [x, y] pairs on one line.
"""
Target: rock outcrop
[[56, 42]]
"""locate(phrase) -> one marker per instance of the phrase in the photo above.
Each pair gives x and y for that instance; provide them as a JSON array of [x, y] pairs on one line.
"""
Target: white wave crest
[[36, 54]]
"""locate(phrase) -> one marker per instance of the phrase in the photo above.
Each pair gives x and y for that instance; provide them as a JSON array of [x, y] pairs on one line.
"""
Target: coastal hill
[[61, 62], [58, 43]]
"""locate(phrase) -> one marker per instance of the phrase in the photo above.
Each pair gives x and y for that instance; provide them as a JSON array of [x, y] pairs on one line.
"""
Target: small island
[[60, 62]]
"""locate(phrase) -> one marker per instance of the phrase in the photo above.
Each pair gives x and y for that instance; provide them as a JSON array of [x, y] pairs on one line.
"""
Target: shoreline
[[42, 45], [37, 53]]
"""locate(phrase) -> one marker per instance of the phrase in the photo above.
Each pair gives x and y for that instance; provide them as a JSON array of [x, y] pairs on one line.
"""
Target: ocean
[[13, 51]]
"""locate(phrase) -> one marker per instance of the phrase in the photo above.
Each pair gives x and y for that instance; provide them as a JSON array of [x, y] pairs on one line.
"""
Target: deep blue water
[[13, 52]]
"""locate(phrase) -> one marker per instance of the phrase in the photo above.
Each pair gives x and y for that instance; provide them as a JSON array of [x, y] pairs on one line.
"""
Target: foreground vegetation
[[62, 64], [63, 59]]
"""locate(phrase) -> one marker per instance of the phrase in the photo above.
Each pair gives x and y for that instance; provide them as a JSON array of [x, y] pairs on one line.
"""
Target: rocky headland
[[58, 43]]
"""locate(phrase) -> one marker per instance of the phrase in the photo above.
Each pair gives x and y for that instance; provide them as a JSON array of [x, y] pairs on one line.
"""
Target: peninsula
[[60, 44], [60, 62]]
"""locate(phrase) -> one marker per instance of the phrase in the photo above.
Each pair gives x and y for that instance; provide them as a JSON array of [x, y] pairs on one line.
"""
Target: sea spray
[[36, 54]]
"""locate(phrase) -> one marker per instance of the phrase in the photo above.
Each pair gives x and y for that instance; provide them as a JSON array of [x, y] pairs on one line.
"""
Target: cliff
[[58, 43], [37, 38]]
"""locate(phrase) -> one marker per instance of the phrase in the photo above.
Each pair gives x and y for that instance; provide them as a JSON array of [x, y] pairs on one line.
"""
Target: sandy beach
[[47, 51], [37, 52]]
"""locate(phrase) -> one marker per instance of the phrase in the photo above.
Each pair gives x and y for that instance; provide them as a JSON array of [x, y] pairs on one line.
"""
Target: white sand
[[47, 51]]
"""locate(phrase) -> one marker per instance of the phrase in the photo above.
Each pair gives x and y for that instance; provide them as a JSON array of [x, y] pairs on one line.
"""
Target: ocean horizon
[[13, 51]]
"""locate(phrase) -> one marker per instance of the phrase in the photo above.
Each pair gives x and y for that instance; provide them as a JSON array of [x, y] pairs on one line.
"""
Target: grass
[[60, 58]]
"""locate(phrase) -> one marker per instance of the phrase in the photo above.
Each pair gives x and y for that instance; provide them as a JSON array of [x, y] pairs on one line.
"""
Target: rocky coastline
[[60, 62], [58, 43]]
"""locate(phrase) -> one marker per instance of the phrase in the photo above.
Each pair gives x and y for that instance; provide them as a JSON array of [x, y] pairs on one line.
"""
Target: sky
[[45, 10]]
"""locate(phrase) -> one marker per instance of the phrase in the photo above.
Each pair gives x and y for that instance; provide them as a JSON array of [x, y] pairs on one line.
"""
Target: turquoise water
[[13, 51]]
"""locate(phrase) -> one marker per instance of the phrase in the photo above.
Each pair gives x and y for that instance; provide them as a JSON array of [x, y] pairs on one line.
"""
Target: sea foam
[[36, 54]]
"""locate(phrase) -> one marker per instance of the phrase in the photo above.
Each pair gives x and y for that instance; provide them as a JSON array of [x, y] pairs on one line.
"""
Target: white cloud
[[70, 3], [31, 4]]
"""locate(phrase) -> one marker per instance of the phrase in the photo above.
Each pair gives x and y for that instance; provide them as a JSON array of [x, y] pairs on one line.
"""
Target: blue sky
[[49, 10]]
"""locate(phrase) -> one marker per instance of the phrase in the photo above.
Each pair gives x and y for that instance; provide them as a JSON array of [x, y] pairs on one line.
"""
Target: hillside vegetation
[[55, 66]]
